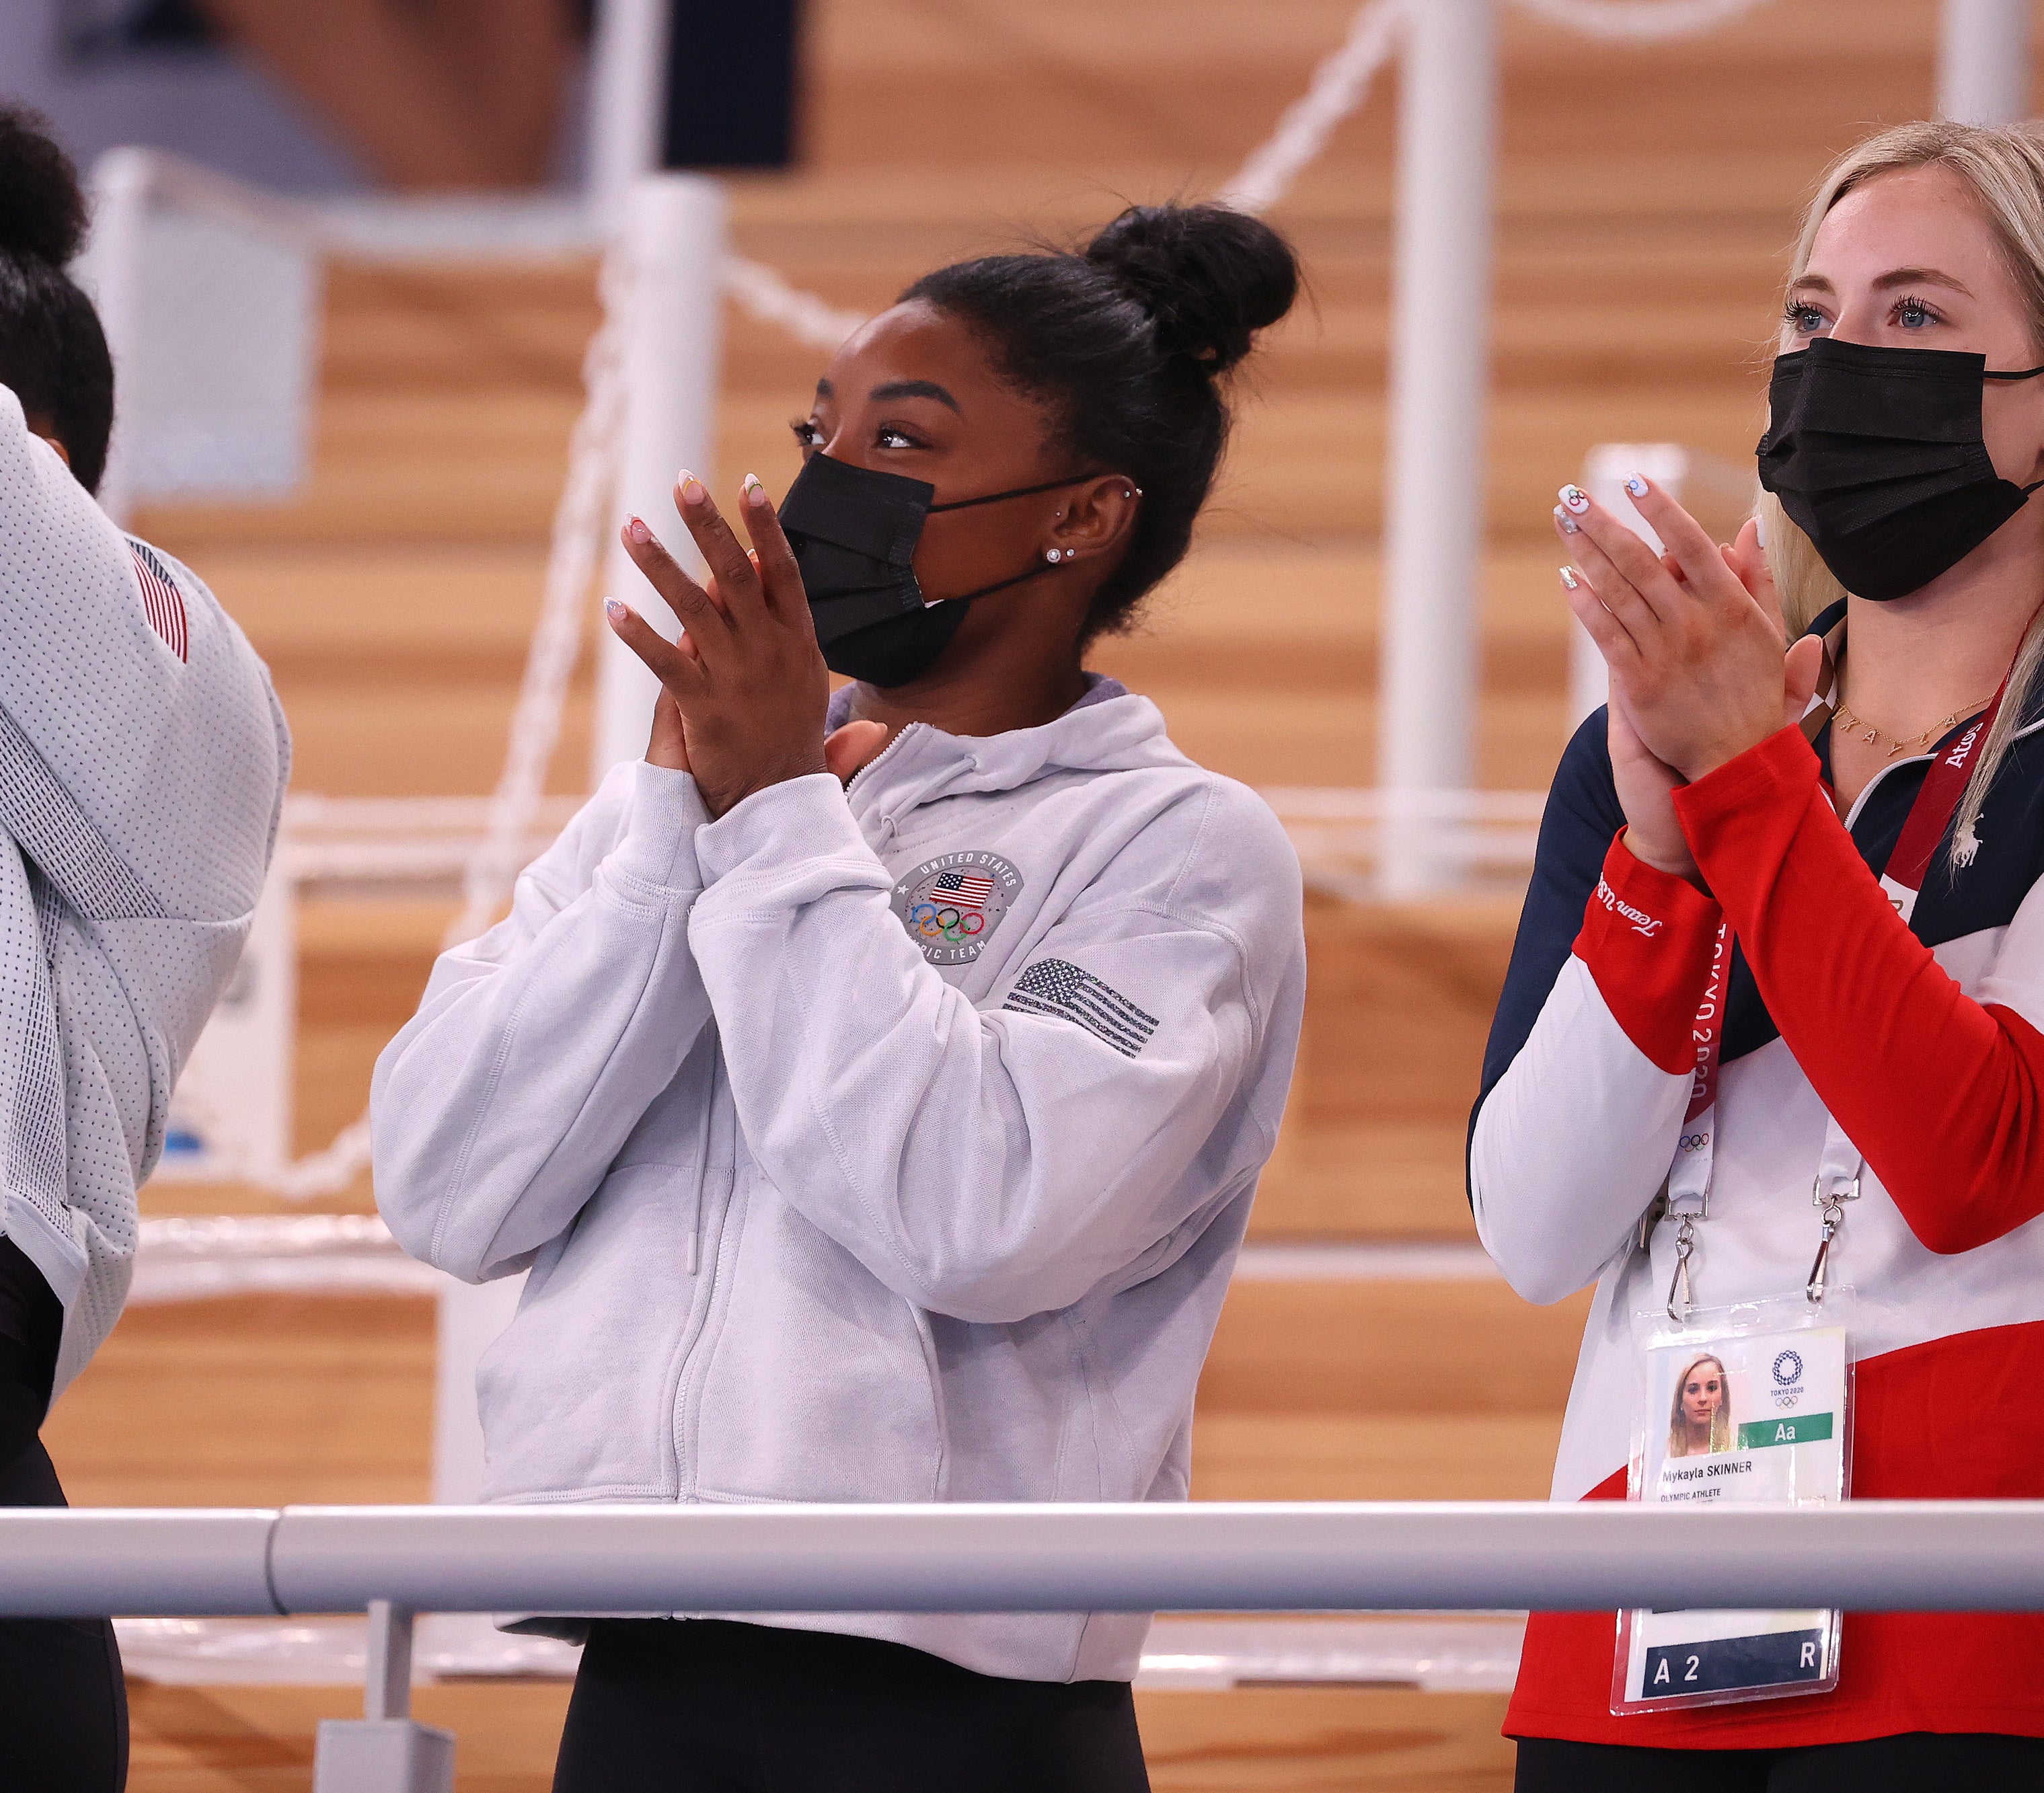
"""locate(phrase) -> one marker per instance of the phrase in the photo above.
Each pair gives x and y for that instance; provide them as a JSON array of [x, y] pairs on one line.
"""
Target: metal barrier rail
[[394, 1561], [1895, 1555]]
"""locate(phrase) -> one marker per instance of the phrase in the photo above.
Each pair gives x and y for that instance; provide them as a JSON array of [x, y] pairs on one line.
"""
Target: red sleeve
[[1941, 1092], [1647, 939]]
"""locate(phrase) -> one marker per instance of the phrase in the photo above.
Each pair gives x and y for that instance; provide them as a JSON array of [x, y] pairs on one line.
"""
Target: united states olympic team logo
[[951, 906]]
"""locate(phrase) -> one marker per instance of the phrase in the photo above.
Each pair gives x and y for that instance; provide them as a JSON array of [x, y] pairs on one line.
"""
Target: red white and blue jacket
[[1922, 1038]]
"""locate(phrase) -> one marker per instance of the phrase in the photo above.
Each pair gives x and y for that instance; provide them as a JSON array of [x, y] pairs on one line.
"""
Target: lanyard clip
[[1680, 1289], [1832, 1207]]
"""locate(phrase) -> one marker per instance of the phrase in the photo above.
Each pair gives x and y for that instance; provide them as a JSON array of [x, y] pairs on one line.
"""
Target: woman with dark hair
[[52, 351], [142, 760], [876, 1085]]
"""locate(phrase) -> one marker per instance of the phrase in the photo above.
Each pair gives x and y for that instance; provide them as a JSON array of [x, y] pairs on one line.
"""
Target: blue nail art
[[613, 609], [1636, 486]]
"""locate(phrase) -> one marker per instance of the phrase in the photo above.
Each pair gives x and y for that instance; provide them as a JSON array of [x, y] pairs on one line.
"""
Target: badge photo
[[951, 905]]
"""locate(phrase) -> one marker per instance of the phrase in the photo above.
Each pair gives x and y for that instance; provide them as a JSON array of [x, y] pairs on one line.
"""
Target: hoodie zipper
[[886, 818], [884, 755]]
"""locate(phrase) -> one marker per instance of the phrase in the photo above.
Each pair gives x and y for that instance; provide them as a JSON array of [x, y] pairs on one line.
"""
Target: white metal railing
[[393, 1562], [396, 1562], [1912, 1556]]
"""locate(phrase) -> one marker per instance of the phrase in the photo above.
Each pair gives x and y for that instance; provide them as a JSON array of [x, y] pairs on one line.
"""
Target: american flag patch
[[1056, 987], [162, 603], [963, 890]]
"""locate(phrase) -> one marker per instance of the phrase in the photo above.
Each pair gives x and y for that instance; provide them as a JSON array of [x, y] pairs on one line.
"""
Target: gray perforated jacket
[[143, 760], [891, 1144]]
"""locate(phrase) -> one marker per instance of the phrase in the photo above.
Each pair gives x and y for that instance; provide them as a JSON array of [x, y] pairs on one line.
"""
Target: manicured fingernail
[[1575, 498], [1635, 484], [637, 530], [754, 492], [615, 610], [692, 489], [1570, 526], [1569, 578]]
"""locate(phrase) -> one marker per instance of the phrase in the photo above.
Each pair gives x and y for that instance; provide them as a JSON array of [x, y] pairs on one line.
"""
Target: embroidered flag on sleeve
[[1057, 988], [162, 603]]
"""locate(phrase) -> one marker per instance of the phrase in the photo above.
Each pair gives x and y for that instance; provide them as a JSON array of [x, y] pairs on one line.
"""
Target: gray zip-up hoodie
[[886, 1145]]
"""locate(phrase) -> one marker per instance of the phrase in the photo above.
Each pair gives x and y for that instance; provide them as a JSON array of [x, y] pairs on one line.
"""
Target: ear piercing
[[1054, 555]]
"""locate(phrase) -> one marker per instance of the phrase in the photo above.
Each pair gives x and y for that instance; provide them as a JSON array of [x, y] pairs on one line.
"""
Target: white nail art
[[1570, 526], [1635, 485], [1576, 498], [1569, 578]]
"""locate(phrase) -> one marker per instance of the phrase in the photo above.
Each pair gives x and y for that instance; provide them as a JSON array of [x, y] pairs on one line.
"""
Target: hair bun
[[1212, 277], [42, 211]]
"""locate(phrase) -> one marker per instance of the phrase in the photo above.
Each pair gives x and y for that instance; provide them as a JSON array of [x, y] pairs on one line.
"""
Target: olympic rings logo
[[1695, 1141], [946, 923]]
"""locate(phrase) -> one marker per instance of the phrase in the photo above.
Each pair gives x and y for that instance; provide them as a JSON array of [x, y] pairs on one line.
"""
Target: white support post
[[384, 1751], [1440, 370], [627, 86], [673, 354], [1984, 61], [113, 268], [387, 1678]]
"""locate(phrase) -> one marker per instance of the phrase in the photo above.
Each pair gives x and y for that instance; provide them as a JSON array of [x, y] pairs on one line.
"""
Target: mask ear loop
[[1023, 491], [2026, 373], [1031, 491]]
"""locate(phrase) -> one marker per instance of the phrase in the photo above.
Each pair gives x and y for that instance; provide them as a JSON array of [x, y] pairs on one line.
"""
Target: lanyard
[[1688, 1193], [1931, 813]]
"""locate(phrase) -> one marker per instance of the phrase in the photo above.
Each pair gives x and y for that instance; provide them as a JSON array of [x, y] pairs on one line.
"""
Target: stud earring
[[1054, 555]]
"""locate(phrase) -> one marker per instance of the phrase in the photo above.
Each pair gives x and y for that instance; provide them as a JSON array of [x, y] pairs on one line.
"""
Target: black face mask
[[853, 531], [1877, 455]]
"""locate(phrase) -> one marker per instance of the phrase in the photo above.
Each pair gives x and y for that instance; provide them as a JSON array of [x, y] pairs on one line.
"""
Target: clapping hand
[[1694, 641], [743, 692]]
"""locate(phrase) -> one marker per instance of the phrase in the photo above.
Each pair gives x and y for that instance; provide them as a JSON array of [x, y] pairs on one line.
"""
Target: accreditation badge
[[1739, 1405]]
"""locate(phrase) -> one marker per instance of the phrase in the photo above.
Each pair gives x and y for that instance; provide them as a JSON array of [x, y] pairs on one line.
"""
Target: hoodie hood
[[1109, 729]]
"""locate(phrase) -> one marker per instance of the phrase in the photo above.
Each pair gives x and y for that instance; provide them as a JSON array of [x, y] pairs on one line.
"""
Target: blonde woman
[[1886, 978], [1699, 1421]]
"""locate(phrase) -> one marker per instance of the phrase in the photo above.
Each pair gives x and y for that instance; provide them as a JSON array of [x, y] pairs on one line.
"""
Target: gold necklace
[[1842, 716]]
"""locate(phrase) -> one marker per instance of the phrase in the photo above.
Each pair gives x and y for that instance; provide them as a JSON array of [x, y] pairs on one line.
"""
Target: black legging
[[63, 1706], [1916, 1762], [704, 1706]]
